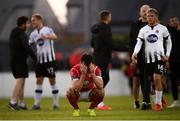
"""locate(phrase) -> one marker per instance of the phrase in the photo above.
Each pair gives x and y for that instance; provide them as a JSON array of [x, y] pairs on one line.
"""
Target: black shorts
[[157, 67], [45, 69], [19, 69]]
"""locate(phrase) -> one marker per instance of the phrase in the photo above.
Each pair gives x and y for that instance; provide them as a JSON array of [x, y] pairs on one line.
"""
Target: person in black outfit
[[174, 60], [19, 51], [103, 44], [138, 77]]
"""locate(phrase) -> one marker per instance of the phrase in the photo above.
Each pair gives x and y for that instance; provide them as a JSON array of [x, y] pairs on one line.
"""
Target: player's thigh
[[96, 92], [40, 72]]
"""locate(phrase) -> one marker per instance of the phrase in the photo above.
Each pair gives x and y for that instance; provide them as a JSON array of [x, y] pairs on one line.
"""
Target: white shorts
[[84, 96]]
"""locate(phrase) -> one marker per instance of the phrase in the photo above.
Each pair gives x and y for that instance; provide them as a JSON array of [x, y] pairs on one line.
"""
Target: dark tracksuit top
[[103, 44], [19, 46], [134, 31]]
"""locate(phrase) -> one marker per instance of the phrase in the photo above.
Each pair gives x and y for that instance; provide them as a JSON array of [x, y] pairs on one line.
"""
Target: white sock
[[13, 101], [21, 103], [55, 95], [100, 104], [158, 97], [176, 101], [38, 94]]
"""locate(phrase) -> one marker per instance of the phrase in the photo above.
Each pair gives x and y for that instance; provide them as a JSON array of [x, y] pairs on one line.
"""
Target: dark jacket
[[19, 46], [103, 43], [175, 37], [135, 28]]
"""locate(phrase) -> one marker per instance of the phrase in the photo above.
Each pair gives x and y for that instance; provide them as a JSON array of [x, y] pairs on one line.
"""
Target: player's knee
[[72, 92], [68, 92], [101, 93], [98, 92], [157, 77]]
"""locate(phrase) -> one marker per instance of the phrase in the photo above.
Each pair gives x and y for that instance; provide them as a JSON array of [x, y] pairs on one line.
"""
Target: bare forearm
[[52, 37], [98, 82], [79, 83]]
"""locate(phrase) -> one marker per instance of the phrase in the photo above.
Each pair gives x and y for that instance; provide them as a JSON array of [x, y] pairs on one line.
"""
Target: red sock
[[73, 99], [95, 99]]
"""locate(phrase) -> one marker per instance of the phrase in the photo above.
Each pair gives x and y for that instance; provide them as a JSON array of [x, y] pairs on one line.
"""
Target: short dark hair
[[38, 16], [104, 14], [173, 16], [21, 20], [87, 59], [153, 10]]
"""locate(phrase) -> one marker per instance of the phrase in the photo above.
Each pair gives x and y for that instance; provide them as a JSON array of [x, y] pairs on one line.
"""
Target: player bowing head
[[87, 84]]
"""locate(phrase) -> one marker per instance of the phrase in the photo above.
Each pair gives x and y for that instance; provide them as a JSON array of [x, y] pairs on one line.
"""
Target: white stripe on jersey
[[154, 38], [45, 48]]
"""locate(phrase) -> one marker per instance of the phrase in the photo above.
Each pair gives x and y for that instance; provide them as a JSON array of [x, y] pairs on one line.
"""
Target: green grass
[[122, 109]]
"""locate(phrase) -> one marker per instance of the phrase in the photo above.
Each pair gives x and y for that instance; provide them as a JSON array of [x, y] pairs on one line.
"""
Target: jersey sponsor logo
[[40, 42], [152, 38]]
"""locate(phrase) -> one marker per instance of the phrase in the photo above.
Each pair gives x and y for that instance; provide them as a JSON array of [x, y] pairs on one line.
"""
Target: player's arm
[[50, 36], [136, 50], [27, 47], [96, 77], [138, 46], [168, 45], [77, 83]]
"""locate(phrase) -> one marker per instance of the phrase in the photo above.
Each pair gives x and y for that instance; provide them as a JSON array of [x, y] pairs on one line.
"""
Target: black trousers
[[146, 85], [175, 79], [104, 67], [140, 73]]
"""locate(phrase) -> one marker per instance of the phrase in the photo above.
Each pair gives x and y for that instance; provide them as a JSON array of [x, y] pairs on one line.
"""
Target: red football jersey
[[88, 82]]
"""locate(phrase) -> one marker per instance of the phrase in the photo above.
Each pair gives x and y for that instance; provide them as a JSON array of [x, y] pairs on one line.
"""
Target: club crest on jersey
[[40, 42], [152, 38]]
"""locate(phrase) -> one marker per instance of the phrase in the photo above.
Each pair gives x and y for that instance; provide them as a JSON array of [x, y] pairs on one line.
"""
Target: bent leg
[[95, 97], [73, 97]]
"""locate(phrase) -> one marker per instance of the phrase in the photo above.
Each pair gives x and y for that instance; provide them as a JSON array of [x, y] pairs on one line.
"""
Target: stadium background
[[71, 21]]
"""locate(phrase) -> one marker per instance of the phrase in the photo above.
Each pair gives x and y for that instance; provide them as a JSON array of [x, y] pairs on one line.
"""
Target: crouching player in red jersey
[[87, 84]]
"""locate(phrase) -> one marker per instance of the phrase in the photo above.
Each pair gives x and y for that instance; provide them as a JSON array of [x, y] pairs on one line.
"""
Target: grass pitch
[[122, 109]]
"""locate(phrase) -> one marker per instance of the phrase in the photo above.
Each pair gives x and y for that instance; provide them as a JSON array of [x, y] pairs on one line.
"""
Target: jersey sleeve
[[167, 38], [140, 40], [98, 72], [50, 30], [166, 33], [74, 74], [141, 35]]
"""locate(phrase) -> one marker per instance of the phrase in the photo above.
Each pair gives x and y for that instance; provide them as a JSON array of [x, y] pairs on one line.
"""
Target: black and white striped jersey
[[45, 48], [156, 39]]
